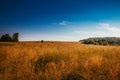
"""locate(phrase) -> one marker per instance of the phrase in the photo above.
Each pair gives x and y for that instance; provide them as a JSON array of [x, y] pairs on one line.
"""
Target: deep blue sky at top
[[39, 15]]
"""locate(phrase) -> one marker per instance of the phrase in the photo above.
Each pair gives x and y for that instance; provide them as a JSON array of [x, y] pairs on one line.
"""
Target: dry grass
[[58, 61]]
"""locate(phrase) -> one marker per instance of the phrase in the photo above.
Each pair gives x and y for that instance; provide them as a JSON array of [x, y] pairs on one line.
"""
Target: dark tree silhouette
[[6, 38], [15, 37], [42, 41]]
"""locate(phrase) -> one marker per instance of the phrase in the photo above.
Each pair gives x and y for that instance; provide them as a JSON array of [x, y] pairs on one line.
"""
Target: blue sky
[[64, 20]]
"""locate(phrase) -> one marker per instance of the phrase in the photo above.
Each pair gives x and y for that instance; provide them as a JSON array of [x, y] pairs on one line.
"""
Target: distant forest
[[102, 41]]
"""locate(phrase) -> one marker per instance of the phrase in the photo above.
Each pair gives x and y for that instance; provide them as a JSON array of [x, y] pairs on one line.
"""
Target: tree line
[[102, 41], [8, 38]]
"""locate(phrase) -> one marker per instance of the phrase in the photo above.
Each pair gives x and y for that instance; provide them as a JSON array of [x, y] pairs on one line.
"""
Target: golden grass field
[[58, 61]]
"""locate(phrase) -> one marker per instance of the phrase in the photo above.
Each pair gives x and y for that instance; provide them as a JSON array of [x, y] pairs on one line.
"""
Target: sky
[[60, 20]]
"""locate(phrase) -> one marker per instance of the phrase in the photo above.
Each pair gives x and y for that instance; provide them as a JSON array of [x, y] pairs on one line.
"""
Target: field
[[58, 61]]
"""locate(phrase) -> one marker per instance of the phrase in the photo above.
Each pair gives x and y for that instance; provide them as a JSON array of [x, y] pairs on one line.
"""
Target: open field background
[[58, 61]]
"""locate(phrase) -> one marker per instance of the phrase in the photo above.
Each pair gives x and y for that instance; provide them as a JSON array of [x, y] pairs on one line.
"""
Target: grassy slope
[[58, 61]]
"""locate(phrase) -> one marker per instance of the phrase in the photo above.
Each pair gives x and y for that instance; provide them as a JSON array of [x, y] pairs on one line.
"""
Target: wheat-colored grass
[[58, 61]]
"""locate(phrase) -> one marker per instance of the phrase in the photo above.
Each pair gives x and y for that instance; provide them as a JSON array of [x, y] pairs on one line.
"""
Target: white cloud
[[63, 23], [99, 30], [75, 32], [108, 27], [104, 24]]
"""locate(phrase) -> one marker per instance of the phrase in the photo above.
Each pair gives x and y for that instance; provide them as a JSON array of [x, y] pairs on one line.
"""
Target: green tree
[[96, 43], [15, 37], [6, 38], [105, 42], [91, 41]]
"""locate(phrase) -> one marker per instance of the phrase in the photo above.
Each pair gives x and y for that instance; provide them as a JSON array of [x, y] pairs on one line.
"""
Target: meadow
[[58, 61]]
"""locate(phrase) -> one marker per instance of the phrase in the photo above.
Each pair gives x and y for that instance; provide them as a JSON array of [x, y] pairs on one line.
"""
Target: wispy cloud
[[63, 23], [100, 30], [75, 32], [108, 27]]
